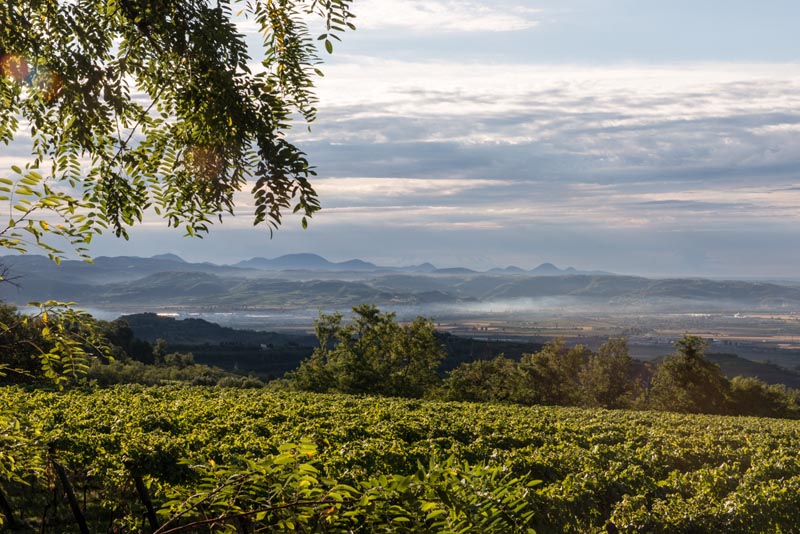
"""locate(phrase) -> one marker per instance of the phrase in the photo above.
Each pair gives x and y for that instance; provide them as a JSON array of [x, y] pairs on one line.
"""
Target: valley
[[755, 319]]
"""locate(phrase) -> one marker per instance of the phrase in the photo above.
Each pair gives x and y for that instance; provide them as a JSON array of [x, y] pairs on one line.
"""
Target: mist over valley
[[758, 320], [309, 282]]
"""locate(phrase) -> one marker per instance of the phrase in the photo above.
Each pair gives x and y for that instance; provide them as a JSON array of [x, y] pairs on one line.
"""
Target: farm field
[[369, 461], [762, 337]]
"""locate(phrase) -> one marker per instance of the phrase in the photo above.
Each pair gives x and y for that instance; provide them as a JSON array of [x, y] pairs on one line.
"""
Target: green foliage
[[607, 380], [372, 354], [134, 372], [245, 382], [497, 380], [687, 382], [63, 346], [18, 454], [751, 396], [73, 339], [209, 125], [19, 342], [57, 342], [289, 491], [124, 344], [551, 376], [383, 465]]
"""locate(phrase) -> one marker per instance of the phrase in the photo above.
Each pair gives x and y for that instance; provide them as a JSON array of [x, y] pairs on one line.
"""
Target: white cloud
[[777, 129], [372, 188], [484, 139], [427, 16], [421, 87], [449, 16]]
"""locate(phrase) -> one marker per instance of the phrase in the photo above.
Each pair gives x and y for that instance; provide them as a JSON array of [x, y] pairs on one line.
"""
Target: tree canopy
[[131, 105], [688, 382], [373, 353]]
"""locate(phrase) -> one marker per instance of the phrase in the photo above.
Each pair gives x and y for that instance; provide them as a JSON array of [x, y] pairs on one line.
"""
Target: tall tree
[[373, 353], [132, 105], [495, 380], [688, 382], [752, 396], [607, 378], [551, 375]]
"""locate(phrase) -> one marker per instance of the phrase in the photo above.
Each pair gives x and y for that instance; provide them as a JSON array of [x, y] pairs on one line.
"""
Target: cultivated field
[[599, 471]]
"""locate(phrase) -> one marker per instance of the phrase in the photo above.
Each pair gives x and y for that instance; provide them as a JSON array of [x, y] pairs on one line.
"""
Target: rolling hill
[[167, 280]]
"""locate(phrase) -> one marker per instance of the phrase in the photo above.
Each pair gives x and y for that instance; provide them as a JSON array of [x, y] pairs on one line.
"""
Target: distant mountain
[[421, 268], [33, 269], [454, 270], [511, 269], [315, 262], [310, 262], [168, 257], [166, 286], [109, 269], [193, 331], [356, 265], [546, 269], [311, 281], [411, 283]]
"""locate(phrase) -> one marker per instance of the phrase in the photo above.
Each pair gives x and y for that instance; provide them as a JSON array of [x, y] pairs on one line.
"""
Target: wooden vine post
[[7, 511], [73, 501], [144, 497]]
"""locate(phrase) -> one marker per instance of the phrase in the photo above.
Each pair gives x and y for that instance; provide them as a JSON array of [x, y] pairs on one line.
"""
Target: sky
[[633, 136]]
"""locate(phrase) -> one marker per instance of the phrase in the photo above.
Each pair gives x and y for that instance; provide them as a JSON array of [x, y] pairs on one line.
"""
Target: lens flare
[[14, 66], [49, 84]]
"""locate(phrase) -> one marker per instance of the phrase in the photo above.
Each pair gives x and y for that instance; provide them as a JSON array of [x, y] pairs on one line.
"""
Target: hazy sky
[[636, 136]]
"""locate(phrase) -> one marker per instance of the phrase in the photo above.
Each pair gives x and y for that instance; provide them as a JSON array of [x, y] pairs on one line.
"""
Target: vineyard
[[195, 459]]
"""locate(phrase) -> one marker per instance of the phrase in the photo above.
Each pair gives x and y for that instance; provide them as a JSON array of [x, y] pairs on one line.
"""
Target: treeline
[[59, 343], [373, 354], [685, 382]]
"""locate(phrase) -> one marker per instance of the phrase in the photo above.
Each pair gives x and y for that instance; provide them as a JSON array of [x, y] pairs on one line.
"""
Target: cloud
[[504, 147], [583, 145], [613, 119], [360, 188], [567, 159], [455, 138], [448, 16]]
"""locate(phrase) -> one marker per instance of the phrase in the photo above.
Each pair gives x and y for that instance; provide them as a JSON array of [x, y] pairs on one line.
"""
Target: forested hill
[[191, 331]]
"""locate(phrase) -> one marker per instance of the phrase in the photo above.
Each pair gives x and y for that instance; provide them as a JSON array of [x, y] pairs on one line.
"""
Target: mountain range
[[120, 268], [314, 262], [308, 281]]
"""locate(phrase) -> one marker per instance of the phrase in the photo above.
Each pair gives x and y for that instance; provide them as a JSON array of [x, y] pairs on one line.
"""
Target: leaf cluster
[[134, 105], [56, 342]]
